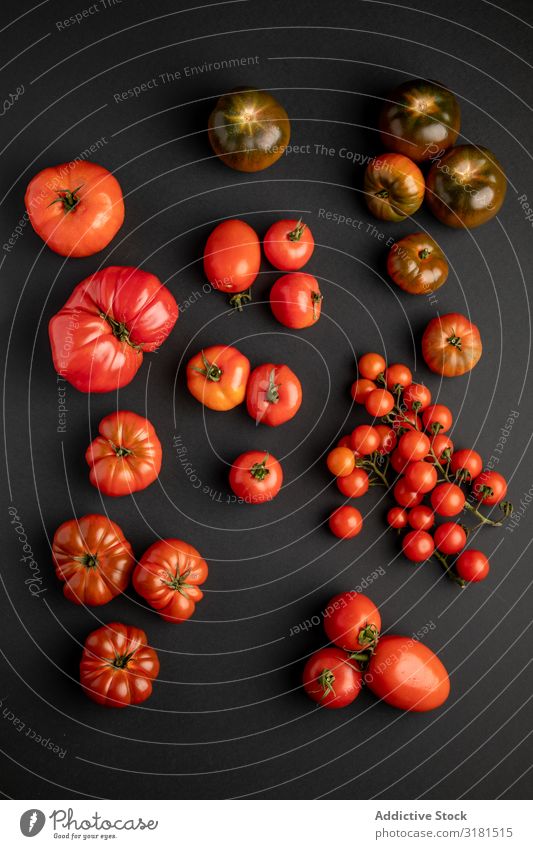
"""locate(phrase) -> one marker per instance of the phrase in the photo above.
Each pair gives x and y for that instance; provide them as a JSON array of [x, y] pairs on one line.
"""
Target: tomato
[[98, 337], [331, 679], [421, 518], [398, 375], [126, 456], [451, 345], [217, 377], [397, 517], [341, 462], [407, 675], [420, 476], [418, 546], [472, 566], [248, 129], [355, 484], [76, 207], [352, 621], [117, 666], [416, 394], [273, 394], [295, 300], [466, 187], [405, 496], [256, 477], [490, 487], [379, 403], [419, 118], [168, 576], [437, 418], [450, 538], [387, 438], [288, 245], [417, 265], [442, 446], [398, 462], [365, 439], [345, 442], [447, 499], [370, 366], [93, 558], [466, 463], [393, 186], [232, 257], [346, 522], [414, 445], [361, 388]]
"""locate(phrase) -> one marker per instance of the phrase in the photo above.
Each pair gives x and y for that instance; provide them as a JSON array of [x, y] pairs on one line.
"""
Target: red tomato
[[387, 438], [398, 462], [352, 621], [407, 675], [437, 418], [353, 485], [126, 456], [472, 566], [416, 394], [256, 477], [371, 365], [421, 518], [117, 666], [404, 496], [98, 337], [450, 538], [451, 345], [330, 679], [379, 403], [397, 517], [93, 558], [232, 256], [365, 439], [466, 463], [345, 442], [398, 375], [168, 576], [341, 462], [441, 445], [273, 394], [407, 421], [217, 377], [296, 300], [418, 546], [447, 499], [361, 389], [288, 245], [420, 476], [490, 487], [414, 445], [76, 207], [346, 522]]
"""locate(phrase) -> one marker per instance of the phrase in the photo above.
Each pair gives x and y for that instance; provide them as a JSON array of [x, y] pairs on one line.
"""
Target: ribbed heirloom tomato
[[296, 300], [417, 264], [126, 456], [273, 394], [217, 377], [451, 345], [256, 477], [232, 257], [98, 337], [393, 186], [168, 577], [288, 245], [407, 674], [92, 558], [331, 679], [117, 666], [352, 621]]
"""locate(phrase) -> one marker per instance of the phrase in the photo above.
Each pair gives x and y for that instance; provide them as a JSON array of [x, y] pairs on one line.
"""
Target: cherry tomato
[[420, 476], [379, 403], [414, 445], [365, 439], [353, 485], [405, 496], [450, 538], [451, 345], [352, 621], [232, 256], [288, 245], [421, 518], [256, 477], [472, 566], [331, 679], [387, 438], [346, 522], [466, 186], [341, 462], [437, 418], [407, 421], [447, 499], [217, 377], [296, 300], [345, 442], [393, 186], [417, 265], [490, 487], [398, 375], [467, 463], [417, 394], [398, 462], [168, 577], [126, 456], [273, 394], [371, 365], [397, 517], [361, 389], [407, 675], [418, 546], [441, 445]]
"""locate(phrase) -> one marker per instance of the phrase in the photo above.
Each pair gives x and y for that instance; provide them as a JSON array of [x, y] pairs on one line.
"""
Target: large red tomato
[[126, 456], [168, 577], [76, 207], [331, 679], [296, 300], [256, 477], [232, 256], [393, 186], [352, 621], [217, 377], [98, 337], [407, 674], [451, 345], [93, 558], [117, 666], [273, 394]]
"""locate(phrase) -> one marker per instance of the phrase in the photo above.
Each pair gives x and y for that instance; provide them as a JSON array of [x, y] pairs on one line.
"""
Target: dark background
[[228, 717]]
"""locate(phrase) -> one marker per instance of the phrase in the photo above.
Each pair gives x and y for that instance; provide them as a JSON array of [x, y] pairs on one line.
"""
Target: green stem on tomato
[[448, 569]]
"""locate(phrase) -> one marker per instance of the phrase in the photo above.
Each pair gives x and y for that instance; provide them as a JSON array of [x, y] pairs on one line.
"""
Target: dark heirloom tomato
[[248, 129], [273, 394], [417, 265], [407, 674], [168, 576], [451, 345], [93, 558], [394, 187], [232, 256], [466, 187], [126, 456], [418, 118], [117, 666], [98, 337]]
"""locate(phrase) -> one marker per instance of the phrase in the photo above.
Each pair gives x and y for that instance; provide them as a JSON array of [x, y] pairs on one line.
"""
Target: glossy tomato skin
[[393, 186], [407, 675], [232, 256], [472, 566], [421, 518], [466, 187], [98, 337], [397, 517], [418, 545], [289, 245], [341, 461], [93, 559], [447, 499], [217, 377], [437, 418], [352, 621], [419, 118], [467, 463], [451, 345], [296, 300], [490, 487], [365, 439], [346, 522], [387, 438], [117, 666], [256, 477], [421, 476], [450, 538], [126, 456], [76, 207], [273, 394], [417, 264], [371, 365], [417, 394], [379, 403], [248, 129], [361, 388], [168, 576], [355, 484], [331, 679], [405, 496]]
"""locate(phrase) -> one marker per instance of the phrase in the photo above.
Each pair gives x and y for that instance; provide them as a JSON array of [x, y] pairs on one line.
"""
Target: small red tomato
[[442, 446], [466, 463], [437, 418], [273, 394], [398, 375], [365, 439], [353, 485], [379, 403], [255, 477], [447, 499], [490, 487], [296, 300], [387, 438], [232, 256], [450, 538], [361, 389], [421, 476], [472, 566], [352, 621], [346, 522], [416, 394], [345, 442], [418, 546], [371, 365], [341, 462], [414, 445], [407, 674], [398, 462], [168, 576], [330, 679], [407, 421], [421, 518], [404, 496], [397, 517], [288, 244]]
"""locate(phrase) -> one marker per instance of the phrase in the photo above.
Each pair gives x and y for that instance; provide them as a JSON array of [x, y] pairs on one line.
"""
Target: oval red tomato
[[289, 245], [256, 477], [451, 345], [407, 675], [296, 300], [232, 256], [331, 679], [168, 576], [352, 621], [273, 394]]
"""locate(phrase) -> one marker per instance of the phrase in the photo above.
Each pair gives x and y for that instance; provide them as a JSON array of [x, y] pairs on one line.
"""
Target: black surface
[[227, 717]]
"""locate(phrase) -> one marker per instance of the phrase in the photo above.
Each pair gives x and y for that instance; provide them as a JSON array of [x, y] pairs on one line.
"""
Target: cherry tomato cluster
[[399, 670]]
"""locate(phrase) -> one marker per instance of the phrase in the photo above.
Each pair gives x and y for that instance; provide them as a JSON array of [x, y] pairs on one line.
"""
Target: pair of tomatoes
[[399, 670]]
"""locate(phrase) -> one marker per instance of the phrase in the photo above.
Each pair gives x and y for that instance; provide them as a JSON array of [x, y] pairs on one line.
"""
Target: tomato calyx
[[507, 508], [179, 582], [326, 679], [210, 370], [272, 393], [120, 450], [296, 234], [259, 471], [316, 298], [68, 197], [120, 330], [237, 301], [424, 253], [90, 561], [455, 341], [368, 637], [383, 193], [121, 661]]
